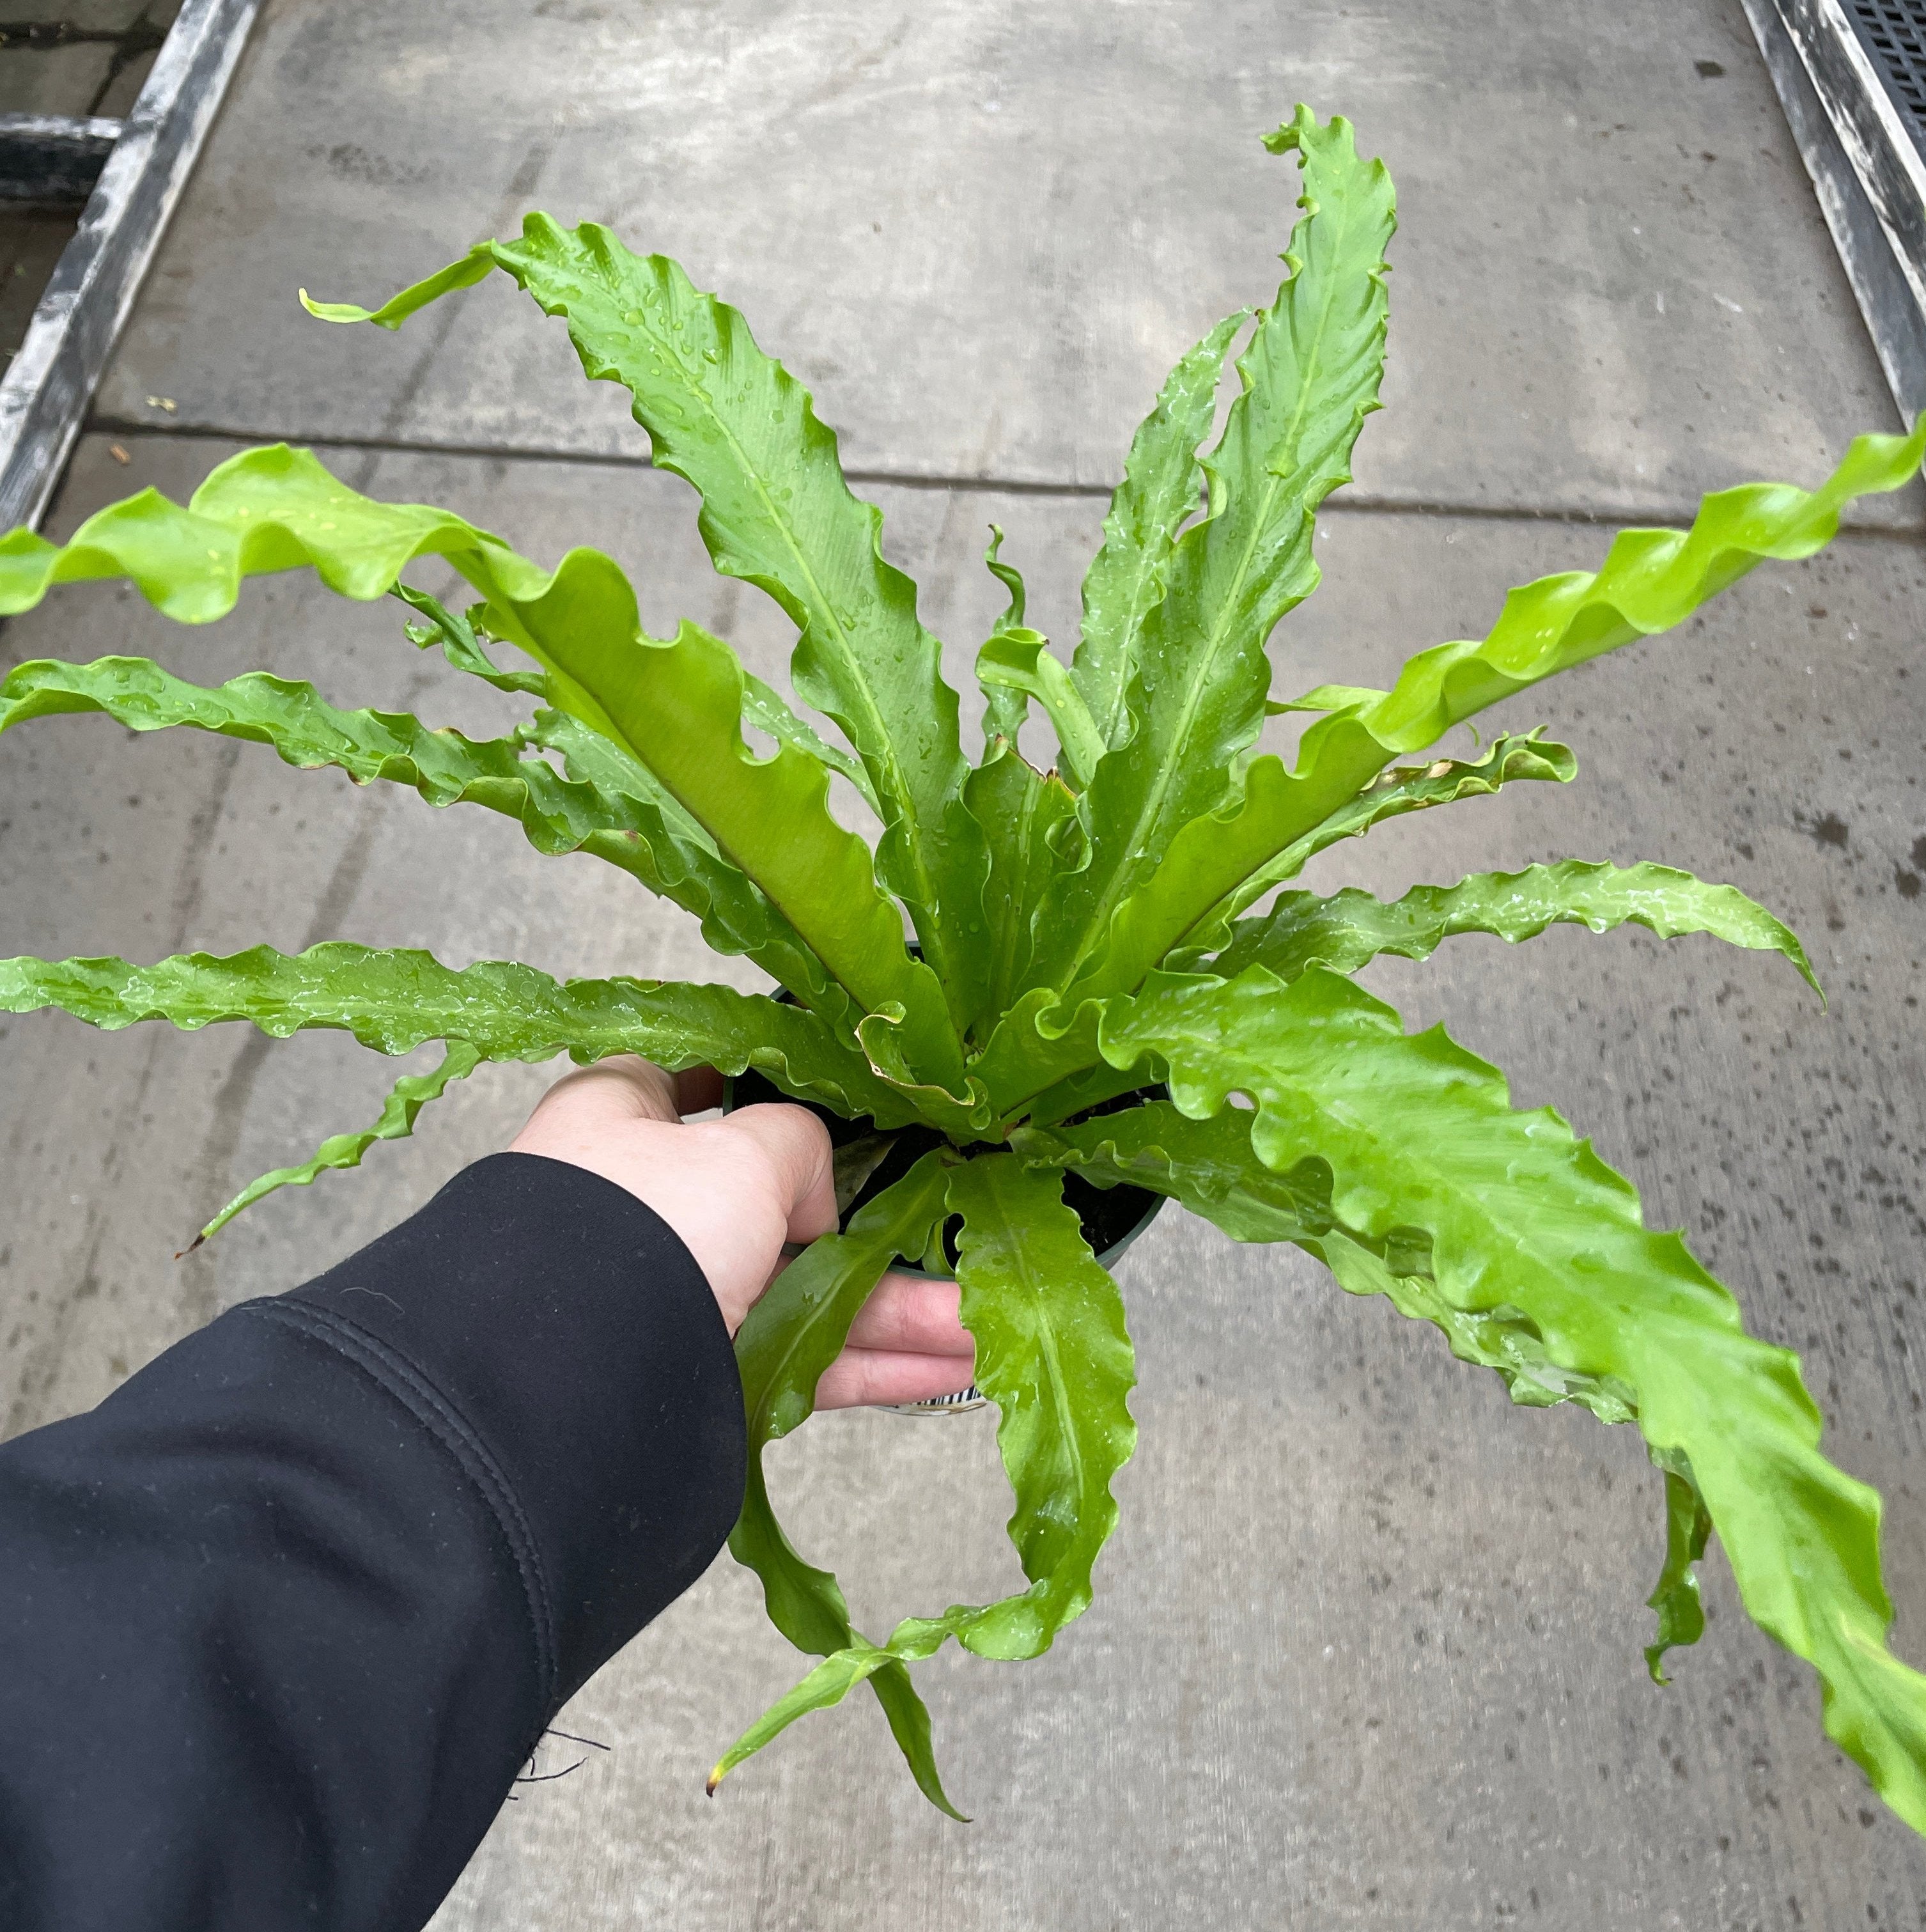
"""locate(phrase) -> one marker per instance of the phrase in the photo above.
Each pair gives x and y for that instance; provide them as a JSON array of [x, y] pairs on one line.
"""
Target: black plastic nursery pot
[[1111, 1217]]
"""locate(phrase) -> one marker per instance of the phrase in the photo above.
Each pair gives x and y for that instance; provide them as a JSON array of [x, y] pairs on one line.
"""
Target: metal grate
[[1852, 75], [1894, 33]]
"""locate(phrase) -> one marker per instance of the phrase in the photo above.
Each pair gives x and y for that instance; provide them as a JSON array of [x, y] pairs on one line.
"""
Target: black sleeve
[[281, 1619]]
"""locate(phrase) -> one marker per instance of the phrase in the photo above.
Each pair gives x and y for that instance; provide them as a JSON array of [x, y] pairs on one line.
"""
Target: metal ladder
[[130, 174]]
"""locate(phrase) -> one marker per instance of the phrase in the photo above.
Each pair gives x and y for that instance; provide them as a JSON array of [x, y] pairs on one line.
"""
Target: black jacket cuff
[[560, 1340]]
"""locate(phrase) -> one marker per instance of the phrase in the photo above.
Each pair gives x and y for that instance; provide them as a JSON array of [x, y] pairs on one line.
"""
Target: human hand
[[735, 1190]]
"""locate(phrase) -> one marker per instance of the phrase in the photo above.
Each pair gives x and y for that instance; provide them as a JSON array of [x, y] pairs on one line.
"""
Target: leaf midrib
[[860, 1251], [1502, 1235], [822, 609], [1137, 606], [1147, 566], [1060, 1404], [1010, 1239], [1107, 899], [779, 1377], [1017, 926]]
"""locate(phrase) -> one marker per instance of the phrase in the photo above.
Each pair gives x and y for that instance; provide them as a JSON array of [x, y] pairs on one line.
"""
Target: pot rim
[[1104, 1258], [1157, 1204], [965, 1401]]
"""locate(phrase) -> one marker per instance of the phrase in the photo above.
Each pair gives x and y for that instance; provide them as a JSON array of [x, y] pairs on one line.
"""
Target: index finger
[[906, 1316]]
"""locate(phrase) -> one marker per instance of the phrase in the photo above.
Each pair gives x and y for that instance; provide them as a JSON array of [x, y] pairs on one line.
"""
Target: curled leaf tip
[[462, 274], [1291, 133], [333, 311]]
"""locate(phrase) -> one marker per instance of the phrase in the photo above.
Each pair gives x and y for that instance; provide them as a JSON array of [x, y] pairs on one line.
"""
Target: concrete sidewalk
[[1366, 1649]]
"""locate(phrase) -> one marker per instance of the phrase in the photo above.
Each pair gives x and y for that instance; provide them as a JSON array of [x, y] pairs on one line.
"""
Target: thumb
[[796, 1144]]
